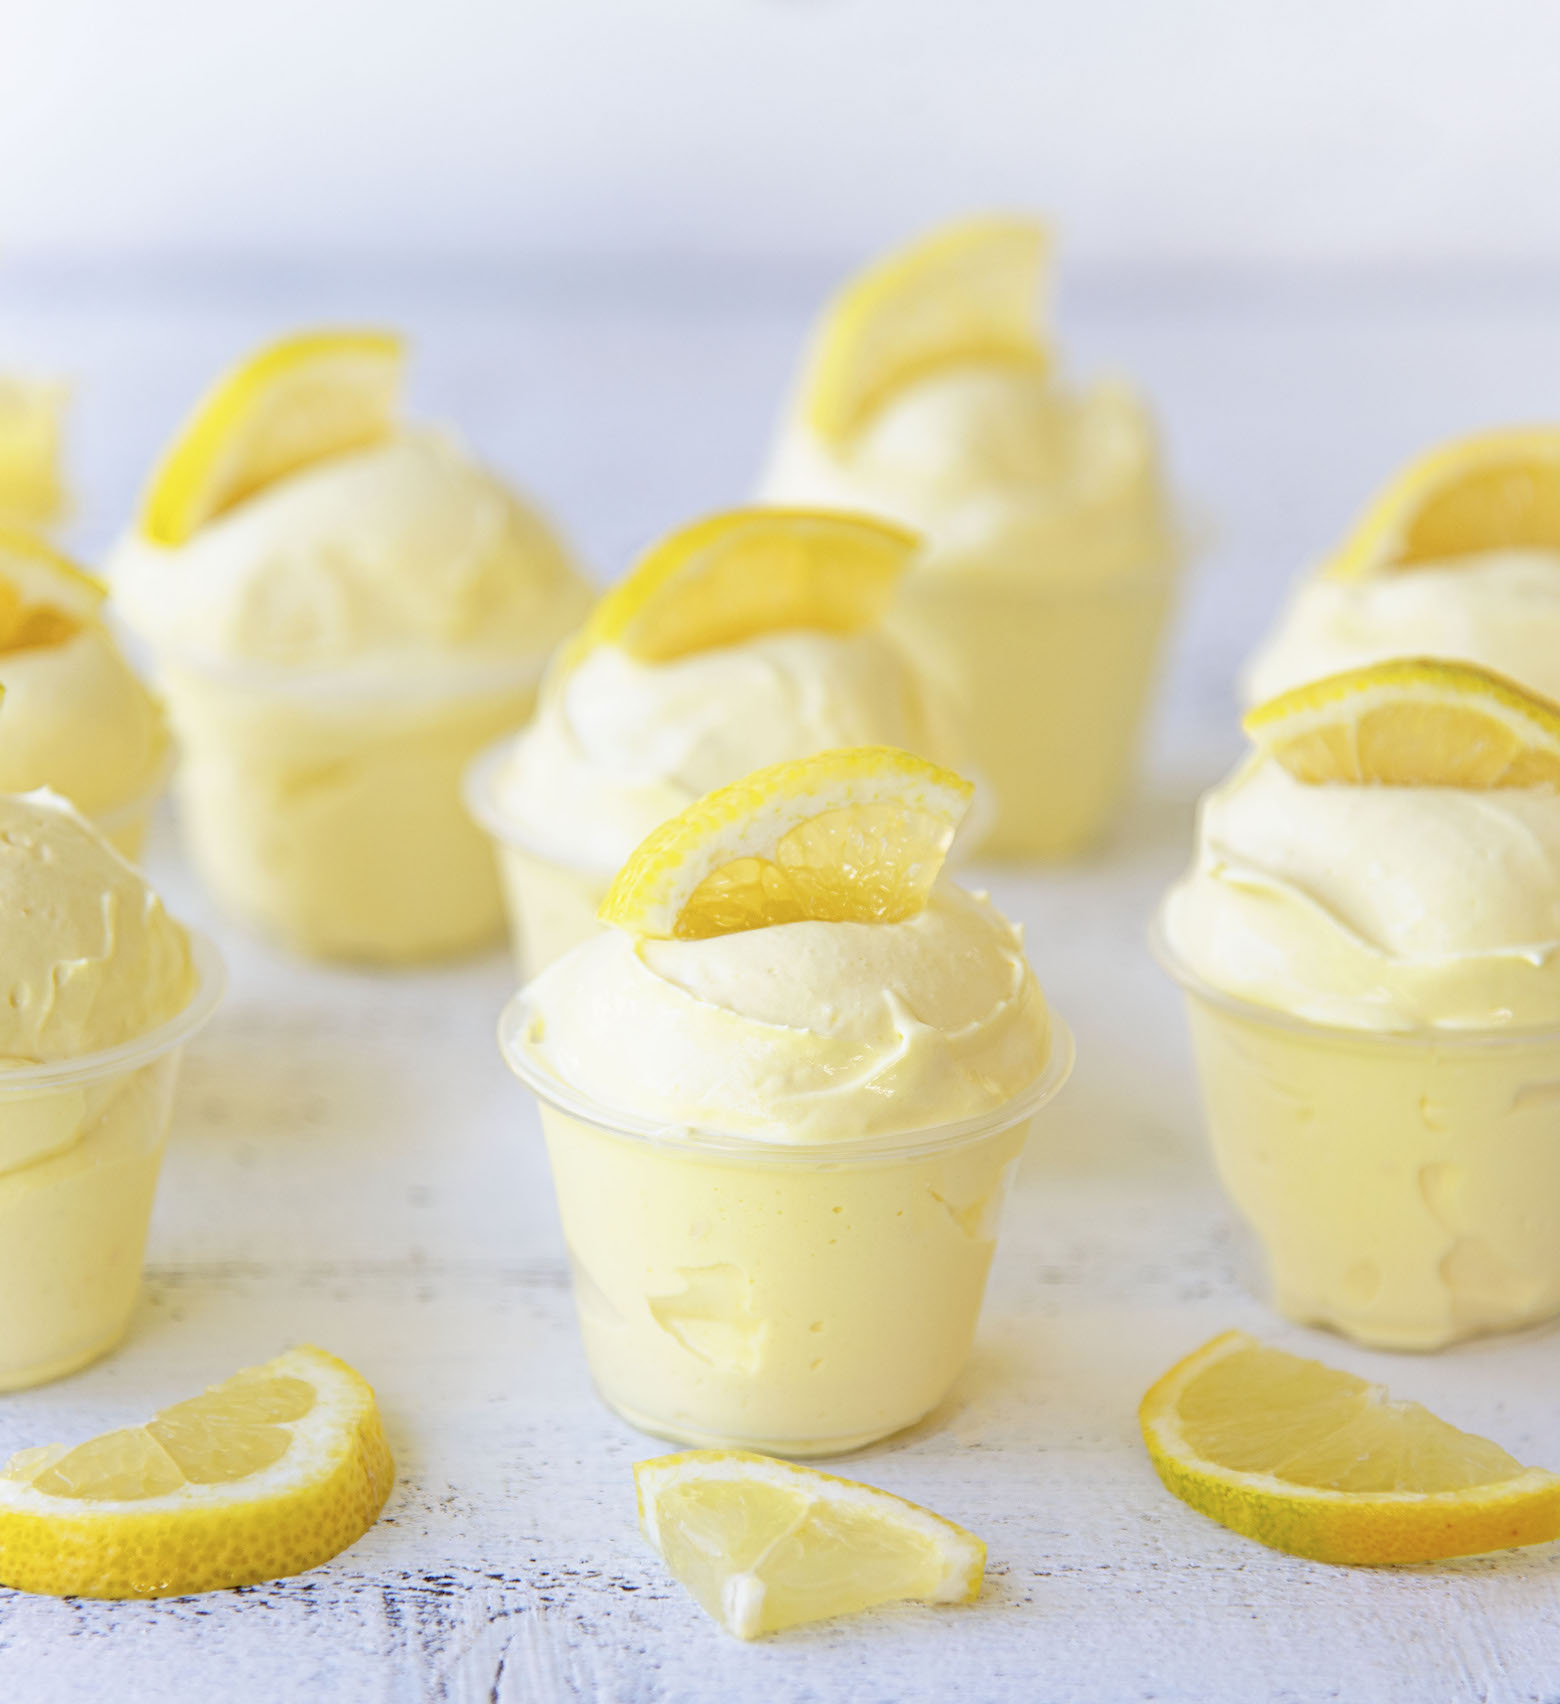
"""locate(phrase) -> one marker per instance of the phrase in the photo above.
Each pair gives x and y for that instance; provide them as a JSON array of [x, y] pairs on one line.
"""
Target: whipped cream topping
[[1381, 908], [805, 1032], [402, 554], [619, 745], [90, 959], [1007, 473], [1499, 609]]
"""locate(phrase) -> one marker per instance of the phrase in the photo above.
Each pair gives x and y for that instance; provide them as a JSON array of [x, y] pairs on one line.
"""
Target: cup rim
[[368, 680], [707, 1142], [1442, 1038], [28, 1081], [476, 790], [119, 816]]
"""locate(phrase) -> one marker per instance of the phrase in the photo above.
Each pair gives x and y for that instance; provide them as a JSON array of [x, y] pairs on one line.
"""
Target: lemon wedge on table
[[295, 402], [44, 596], [853, 836], [969, 292], [267, 1474], [31, 491], [1495, 491], [763, 1544], [1320, 1463], [1413, 722], [750, 571]]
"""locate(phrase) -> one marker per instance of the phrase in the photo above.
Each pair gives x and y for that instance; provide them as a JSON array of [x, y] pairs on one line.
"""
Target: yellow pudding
[[1037, 605], [77, 719], [781, 1152], [335, 645], [1373, 973], [32, 490], [1459, 557], [623, 740], [102, 988]]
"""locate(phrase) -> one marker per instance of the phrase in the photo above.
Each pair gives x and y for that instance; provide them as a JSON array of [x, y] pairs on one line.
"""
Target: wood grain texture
[[352, 1165]]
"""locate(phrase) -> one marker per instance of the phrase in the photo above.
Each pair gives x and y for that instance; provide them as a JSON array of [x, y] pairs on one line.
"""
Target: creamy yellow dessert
[[783, 1097], [101, 988], [1039, 601], [32, 488], [1370, 938], [638, 722], [343, 610], [1459, 557], [77, 719]]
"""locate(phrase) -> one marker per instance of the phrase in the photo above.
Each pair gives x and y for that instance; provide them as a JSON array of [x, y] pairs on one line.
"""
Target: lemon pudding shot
[[1459, 557], [77, 719], [1369, 939], [931, 397], [741, 640], [783, 1096], [100, 990], [342, 609]]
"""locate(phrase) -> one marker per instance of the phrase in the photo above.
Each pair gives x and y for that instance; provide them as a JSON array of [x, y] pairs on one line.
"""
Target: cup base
[[12, 1379], [788, 1448]]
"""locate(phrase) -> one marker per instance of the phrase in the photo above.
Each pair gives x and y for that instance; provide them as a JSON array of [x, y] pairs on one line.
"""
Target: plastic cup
[[1049, 684], [81, 1144], [125, 826], [326, 810], [802, 1300], [1404, 1187], [551, 906]]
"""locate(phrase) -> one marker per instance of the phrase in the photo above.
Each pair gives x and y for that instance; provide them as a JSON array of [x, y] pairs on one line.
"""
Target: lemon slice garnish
[[763, 1544], [1497, 491], [1322, 1464], [969, 292], [270, 1473], [749, 571], [31, 490], [855, 836], [1413, 722], [293, 403], [44, 596]]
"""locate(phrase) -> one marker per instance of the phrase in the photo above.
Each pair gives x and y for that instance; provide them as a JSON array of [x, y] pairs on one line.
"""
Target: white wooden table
[[352, 1165]]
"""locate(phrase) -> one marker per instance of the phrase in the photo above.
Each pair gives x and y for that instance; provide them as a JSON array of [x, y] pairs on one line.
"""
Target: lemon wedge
[[854, 836], [293, 403], [44, 596], [750, 571], [1322, 1464], [31, 491], [968, 292], [1496, 491], [267, 1474], [1412, 722], [763, 1544]]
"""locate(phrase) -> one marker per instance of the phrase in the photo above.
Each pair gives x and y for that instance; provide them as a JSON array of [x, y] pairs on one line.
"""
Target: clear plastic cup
[[81, 1144], [1049, 683], [325, 810], [802, 1300], [551, 905], [1404, 1187], [125, 826]]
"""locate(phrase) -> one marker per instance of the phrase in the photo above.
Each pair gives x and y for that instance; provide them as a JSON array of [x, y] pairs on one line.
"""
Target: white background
[[1193, 132]]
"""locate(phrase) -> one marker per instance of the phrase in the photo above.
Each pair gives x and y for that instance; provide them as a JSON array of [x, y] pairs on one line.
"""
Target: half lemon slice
[[750, 571], [1322, 1464], [855, 836], [1496, 491], [44, 596], [269, 1473], [1414, 722], [293, 403], [763, 1544], [968, 292]]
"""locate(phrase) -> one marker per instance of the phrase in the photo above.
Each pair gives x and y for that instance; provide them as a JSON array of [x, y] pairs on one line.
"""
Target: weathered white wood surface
[[352, 1165]]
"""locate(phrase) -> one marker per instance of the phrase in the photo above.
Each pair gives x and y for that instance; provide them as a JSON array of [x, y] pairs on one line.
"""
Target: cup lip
[[119, 816], [28, 1081], [706, 1142], [477, 793], [1442, 1038], [372, 680]]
